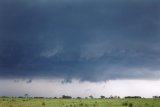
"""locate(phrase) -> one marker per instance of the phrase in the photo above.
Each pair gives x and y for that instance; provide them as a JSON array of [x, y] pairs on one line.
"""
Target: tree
[[102, 97], [26, 95], [91, 96], [79, 98], [67, 97], [111, 96]]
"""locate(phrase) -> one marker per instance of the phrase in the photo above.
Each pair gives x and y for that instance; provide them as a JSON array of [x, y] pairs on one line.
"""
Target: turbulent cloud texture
[[80, 39]]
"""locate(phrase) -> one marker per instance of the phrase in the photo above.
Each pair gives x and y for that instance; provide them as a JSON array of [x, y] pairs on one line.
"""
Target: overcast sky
[[86, 40]]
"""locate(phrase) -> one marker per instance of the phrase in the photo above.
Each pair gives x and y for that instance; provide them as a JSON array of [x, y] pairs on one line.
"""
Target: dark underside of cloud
[[80, 39]]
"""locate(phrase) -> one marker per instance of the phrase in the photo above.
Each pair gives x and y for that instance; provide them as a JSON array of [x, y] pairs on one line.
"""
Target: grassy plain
[[30, 102]]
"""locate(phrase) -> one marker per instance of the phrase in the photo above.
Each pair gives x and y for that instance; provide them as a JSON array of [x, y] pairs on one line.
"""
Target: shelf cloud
[[88, 40]]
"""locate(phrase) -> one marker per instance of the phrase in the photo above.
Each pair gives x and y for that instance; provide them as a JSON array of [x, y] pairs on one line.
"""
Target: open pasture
[[31, 102]]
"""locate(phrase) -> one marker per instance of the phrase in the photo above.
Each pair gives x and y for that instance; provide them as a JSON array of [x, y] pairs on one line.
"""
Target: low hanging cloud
[[51, 52], [86, 40]]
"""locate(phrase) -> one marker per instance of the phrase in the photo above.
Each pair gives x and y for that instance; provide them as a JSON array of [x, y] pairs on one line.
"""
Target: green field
[[29, 102]]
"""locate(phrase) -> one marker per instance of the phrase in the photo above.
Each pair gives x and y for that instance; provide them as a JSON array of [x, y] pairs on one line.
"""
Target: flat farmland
[[44, 102]]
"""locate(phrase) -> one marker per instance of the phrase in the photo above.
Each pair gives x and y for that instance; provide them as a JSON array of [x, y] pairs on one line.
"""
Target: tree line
[[70, 97]]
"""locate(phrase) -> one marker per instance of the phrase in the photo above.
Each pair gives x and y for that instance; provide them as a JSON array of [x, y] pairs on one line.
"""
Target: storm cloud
[[91, 40]]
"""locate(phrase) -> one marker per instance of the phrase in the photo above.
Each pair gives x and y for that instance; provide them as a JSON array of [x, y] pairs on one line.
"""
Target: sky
[[77, 41]]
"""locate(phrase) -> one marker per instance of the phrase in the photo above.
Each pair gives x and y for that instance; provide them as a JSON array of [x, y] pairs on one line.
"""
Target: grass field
[[29, 102]]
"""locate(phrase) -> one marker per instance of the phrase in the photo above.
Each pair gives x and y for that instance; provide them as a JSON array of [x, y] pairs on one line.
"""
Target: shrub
[[81, 104], [130, 105], [124, 104], [43, 103], [11, 106], [94, 105]]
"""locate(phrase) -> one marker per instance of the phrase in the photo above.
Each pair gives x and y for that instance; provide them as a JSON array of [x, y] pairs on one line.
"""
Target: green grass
[[29, 102]]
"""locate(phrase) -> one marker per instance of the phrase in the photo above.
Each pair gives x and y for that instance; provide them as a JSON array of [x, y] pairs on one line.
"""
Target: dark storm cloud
[[79, 39]]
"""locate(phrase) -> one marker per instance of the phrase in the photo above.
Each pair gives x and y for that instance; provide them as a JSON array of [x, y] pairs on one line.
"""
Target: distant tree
[[156, 96], [111, 96], [86, 97], [4, 97], [102, 97], [132, 97], [79, 98], [55, 97], [67, 97], [26, 95], [115, 97], [91, 96], [20, 97]]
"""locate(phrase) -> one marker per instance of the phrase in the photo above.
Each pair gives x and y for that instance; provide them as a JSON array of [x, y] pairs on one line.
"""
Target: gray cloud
[[86, 40]]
